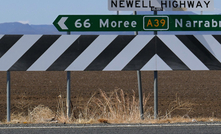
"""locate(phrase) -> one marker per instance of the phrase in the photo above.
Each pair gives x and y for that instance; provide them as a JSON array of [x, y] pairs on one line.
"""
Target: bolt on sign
[[165, 5]]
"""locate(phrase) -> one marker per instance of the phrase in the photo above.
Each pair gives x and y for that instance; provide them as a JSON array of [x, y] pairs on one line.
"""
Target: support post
[[68, 94], [155, 81], [135, 13], [8, 97], [155, 94], [139, 85], [140, 94], [68, 90]]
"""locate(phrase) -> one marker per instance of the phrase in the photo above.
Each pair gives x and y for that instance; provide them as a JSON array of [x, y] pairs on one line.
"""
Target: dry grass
[[178, 105], [109, 107], [115, 107], [39, 114], [23, 102]]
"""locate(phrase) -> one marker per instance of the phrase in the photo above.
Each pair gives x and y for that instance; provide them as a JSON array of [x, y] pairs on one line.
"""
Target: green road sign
[[111, 23], [138, 23]]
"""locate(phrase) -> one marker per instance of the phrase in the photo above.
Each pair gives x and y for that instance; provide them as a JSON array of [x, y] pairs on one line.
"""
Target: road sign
[[167, 5], [138, 23], [111, 23], [109, 52]]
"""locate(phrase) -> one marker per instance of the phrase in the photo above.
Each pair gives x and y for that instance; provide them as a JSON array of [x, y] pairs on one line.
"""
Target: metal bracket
[[156, 8]]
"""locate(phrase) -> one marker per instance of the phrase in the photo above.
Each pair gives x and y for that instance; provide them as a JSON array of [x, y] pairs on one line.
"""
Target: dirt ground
[[29, 89]]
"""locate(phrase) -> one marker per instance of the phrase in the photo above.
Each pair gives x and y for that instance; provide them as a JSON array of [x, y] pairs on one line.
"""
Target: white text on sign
[[197, 23], [106, 23]]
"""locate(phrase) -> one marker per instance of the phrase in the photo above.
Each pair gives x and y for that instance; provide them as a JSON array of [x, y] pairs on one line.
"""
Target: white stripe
[[182, 52], [17, 50], [111, 126], [211, 44], [56, 50], [95, 48], [129, 52], [150, 65]]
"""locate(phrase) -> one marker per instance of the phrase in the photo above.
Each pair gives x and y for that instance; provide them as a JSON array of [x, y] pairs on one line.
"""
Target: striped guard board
[[109, 52]]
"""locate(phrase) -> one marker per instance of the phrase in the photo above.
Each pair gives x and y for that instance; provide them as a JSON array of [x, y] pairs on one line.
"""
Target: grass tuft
[[41, 114]]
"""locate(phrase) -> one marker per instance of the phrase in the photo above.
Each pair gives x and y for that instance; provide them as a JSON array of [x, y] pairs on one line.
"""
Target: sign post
[[8, 96], [156, 78]]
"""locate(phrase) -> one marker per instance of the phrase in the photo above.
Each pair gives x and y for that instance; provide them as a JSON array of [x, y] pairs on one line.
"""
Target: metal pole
[[139, 85], [155, 95], [68, 91], [140, 94], [155, 81], [8, 97], [155, 13], [135, 13]]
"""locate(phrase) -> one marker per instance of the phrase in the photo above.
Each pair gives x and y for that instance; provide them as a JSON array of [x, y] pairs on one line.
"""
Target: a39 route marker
[[155, 23], [138, 23]]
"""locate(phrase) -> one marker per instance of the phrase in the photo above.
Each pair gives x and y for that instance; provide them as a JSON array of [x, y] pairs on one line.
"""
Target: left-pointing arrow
[[61, 23]]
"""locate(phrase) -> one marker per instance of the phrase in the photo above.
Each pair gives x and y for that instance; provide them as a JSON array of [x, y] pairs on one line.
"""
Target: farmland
[[200, 88]]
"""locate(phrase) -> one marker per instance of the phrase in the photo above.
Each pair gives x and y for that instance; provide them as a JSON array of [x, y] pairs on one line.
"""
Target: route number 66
[[85, 24]]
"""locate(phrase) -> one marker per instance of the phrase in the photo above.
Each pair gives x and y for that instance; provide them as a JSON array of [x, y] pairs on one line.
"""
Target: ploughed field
[[29, 89]]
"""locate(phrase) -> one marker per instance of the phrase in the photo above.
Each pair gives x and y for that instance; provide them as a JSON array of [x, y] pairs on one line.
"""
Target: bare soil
[[29, 89]]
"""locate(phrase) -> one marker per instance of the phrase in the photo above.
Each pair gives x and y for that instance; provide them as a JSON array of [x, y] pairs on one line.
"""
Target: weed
[[176, 105], [23, 102]]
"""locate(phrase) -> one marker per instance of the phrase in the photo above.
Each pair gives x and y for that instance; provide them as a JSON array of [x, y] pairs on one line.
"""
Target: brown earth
[[29, 89]]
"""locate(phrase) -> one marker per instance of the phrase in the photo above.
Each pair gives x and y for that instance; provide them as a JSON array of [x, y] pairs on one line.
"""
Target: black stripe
[[34, 52], [7, 41], [110, 52], [142, 57], [72, 53], [218, 38], [200, 51], [169, 57]]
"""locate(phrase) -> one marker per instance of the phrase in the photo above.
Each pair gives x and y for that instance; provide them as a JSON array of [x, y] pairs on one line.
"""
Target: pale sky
[[46, 11]]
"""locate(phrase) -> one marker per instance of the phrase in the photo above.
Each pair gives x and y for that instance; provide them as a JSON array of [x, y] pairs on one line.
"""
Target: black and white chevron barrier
[[109, 52]]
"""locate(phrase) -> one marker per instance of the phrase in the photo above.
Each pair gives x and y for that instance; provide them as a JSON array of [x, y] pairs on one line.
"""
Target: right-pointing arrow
[[61, 23]]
